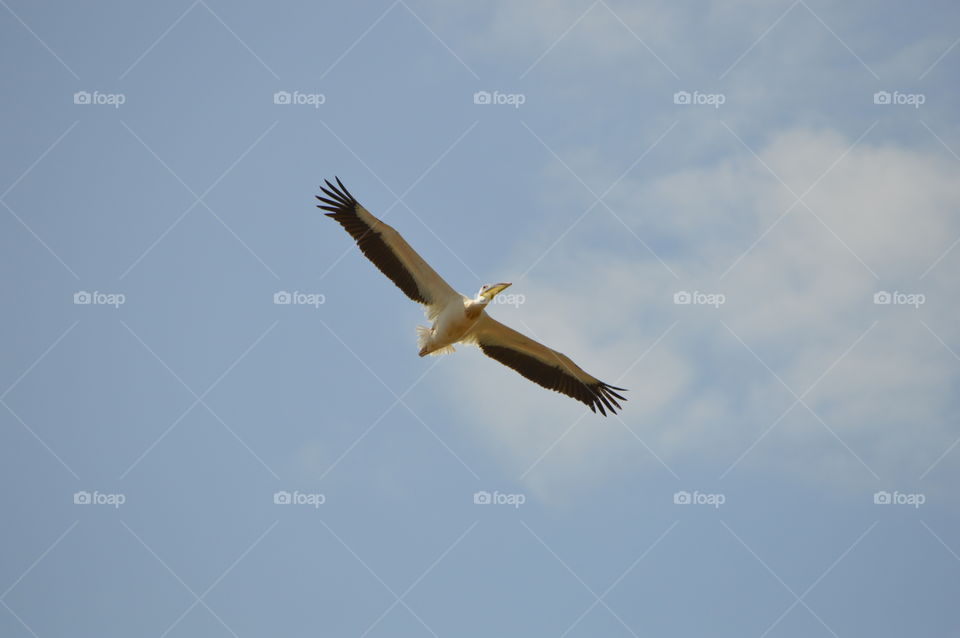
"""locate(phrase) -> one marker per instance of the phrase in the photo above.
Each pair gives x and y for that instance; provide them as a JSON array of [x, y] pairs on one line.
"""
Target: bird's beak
[[495, 290]]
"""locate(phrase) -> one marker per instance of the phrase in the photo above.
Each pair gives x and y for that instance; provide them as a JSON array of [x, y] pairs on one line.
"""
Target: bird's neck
[[474, 307]]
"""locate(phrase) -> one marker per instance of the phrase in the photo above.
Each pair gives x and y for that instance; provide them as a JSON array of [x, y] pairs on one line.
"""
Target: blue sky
[[744, 212]]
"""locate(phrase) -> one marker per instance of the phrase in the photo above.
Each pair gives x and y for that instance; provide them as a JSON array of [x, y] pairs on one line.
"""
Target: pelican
[[456, 318]]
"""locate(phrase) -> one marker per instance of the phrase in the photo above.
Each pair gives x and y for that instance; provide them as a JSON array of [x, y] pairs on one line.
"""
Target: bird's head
[[489, 291]]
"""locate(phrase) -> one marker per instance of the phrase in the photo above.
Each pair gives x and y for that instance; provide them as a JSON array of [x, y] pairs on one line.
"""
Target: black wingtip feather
[[346, 210], [596, 395]]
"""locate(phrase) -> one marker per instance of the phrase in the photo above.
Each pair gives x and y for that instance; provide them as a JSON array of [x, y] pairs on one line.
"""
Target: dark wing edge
[[344, 209], [554, 377]]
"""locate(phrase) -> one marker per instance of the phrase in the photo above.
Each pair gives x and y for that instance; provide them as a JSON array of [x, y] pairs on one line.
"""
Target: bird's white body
[[453, 324]]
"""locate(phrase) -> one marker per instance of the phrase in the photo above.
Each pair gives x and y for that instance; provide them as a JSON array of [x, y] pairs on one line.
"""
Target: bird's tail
[[423, 342]]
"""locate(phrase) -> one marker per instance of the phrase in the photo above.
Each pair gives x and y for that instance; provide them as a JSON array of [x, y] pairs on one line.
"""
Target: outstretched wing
[[549, 368], [386, 248]]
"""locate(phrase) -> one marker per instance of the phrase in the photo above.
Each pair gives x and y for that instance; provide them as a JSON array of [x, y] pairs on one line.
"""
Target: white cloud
[[799, 299]]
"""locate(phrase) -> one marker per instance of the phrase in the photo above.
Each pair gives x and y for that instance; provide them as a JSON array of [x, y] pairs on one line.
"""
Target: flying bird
[[456, 318]]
